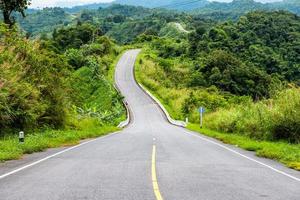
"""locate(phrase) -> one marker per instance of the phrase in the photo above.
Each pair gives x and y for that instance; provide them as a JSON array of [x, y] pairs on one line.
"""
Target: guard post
[[21, 137], [201, 112]]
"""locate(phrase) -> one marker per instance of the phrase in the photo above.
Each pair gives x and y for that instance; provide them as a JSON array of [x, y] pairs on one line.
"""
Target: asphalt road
[[151, 159]]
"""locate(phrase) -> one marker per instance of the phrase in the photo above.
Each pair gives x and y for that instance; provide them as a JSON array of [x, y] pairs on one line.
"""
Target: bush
[[32, 84]]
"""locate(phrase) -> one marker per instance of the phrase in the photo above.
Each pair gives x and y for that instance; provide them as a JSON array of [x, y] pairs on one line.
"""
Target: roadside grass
[[288, 154], [78, 128], [11, 149]]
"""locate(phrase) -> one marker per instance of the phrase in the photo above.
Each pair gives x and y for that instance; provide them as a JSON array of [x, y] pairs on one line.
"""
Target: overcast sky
[[70, 3]]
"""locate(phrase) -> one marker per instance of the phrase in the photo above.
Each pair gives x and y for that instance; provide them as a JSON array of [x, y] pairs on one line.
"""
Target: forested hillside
[[124, 23], [236, 8], [44, 21]]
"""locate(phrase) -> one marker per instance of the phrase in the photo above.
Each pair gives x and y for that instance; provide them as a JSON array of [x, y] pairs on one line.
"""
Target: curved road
[[148, 160]]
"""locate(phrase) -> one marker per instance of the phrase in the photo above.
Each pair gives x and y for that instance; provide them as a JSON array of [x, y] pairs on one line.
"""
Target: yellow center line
[[154, 177]]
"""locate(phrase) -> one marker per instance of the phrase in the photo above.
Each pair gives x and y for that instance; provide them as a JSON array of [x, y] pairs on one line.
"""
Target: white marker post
[[201, 111], [21, 137]]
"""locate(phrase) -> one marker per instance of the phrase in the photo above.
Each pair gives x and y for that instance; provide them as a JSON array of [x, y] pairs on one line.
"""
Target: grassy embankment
[[268, 127], [78, 128], [11, 149]]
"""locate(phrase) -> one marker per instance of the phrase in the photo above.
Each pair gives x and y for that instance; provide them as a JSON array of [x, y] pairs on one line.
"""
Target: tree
[[10, 6]]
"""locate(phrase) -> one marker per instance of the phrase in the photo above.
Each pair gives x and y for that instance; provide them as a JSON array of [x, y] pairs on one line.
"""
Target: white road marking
[[51, 156], [242, 155], [220, 145]]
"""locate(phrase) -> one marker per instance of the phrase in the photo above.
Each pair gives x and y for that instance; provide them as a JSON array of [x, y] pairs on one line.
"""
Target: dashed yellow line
[[154, 177]]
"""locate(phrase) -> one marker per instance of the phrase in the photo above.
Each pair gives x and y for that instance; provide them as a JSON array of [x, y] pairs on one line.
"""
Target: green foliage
[[228, 73], [222, 11], [8, 7], [121, 22], [171, 30], [48, 84], [27, 99], [74, 36], [44, 21], [239, 71], [248, 56], [169, 84], [275, 119]]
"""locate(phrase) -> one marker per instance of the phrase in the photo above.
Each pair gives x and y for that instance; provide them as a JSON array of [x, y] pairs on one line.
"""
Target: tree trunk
[[6, 17]]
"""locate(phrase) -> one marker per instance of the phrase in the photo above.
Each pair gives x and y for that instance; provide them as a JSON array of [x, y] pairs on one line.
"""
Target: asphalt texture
[[189, 166]]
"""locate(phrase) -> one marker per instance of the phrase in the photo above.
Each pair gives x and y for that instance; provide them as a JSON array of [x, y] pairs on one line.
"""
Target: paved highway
[[149, 160]]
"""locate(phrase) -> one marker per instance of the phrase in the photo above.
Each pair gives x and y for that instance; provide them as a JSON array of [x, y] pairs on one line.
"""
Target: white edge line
[[242, 155], [195, 134], [56, 154], [227, 148]]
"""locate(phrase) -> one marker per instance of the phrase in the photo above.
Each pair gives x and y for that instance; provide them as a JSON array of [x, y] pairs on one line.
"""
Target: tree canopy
[[10, 6]]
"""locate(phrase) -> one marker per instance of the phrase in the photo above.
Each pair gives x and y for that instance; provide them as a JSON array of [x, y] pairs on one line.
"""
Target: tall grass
[[277, 118]]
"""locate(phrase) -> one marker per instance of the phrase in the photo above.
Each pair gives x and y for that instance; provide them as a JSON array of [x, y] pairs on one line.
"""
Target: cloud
[[63, 3]]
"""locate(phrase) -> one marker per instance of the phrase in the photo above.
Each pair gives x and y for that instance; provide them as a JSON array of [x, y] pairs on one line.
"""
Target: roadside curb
[[126, 122], [169, 118], [167, 115]]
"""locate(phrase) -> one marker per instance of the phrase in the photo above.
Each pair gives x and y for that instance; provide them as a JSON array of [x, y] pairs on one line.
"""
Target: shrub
[[275, 119]]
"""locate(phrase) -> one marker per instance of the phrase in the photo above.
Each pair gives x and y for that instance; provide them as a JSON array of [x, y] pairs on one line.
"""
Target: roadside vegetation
[[58, 90], [269, 127], [240, 73]]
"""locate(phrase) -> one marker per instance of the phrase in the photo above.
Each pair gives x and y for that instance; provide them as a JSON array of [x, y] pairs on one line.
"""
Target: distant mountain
[[169, 4], [223, 10], [236, 8], [290, 5], [93, 6]]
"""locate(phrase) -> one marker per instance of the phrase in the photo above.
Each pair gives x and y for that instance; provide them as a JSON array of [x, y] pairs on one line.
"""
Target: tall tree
[[10, 6]]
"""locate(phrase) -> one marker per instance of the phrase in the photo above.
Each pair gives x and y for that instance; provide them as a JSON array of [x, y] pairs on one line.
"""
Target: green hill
[[237, 8]]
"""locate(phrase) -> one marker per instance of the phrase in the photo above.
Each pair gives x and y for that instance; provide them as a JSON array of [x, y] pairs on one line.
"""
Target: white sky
[[70, 3], [63, 3]]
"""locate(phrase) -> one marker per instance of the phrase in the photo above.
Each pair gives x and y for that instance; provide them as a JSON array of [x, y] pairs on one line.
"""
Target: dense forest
[[233, 10], [115, 19], [122, 23]]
